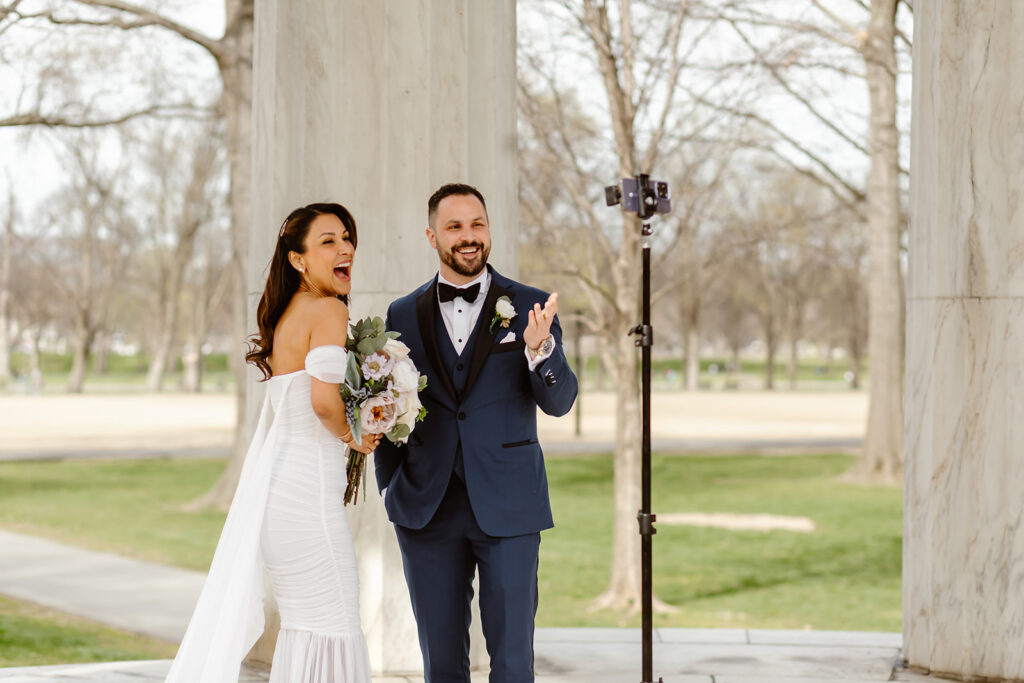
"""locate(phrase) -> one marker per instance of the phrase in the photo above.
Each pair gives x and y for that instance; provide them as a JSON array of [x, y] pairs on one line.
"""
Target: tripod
[[646, 198]]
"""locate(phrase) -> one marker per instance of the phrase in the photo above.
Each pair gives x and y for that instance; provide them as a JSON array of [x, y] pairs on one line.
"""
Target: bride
[[287, 519]]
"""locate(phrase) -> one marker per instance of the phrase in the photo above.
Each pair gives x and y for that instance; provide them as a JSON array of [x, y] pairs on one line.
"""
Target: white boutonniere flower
[[503, 313]]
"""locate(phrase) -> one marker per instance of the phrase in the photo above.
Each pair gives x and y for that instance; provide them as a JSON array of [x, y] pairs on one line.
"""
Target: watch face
[[547, 347]]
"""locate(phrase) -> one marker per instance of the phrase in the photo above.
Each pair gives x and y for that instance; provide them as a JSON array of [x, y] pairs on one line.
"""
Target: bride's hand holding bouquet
[[380, 391]]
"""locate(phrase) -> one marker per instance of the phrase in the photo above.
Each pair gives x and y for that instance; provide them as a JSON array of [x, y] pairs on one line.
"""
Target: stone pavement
[[129, 594], [157, 600], [613, 656]]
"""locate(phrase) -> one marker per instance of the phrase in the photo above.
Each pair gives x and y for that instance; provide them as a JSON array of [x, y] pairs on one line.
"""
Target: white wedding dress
[[287, 520]]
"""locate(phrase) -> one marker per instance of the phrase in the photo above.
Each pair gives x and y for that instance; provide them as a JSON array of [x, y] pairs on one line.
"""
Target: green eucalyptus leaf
[[357, 428], [368, 346], [353, 377], [393, 335], [379, 341], [399, 431]]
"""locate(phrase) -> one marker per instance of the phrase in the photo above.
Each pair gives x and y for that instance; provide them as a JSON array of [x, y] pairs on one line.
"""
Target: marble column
[[963, 569], [375, 104]]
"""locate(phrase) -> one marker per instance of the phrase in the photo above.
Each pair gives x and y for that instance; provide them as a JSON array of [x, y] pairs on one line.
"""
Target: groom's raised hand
[[538, 327]]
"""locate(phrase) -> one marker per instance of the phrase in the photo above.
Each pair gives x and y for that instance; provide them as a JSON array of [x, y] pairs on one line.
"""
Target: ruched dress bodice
[[306, 543]]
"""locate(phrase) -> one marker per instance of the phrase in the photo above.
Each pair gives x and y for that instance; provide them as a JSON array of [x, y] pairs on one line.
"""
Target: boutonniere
[[503, 313]]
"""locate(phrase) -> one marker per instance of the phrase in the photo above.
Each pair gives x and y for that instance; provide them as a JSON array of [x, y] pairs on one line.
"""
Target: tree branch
[[673, 77], [789, 89], [854, 192], [143, 17], [62, 121]]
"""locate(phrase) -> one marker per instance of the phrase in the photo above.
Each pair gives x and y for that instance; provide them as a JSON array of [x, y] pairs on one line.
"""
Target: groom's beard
[[462, 266]]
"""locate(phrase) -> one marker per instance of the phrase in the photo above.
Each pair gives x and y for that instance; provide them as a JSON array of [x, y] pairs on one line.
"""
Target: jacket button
[[462, 416], [459, 366]]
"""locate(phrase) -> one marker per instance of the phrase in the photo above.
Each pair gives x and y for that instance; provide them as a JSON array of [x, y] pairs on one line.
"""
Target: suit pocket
[[517, 444], [517, 345], [415, 440]]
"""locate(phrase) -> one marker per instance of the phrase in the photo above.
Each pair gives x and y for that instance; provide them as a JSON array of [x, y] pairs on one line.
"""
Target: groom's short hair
[[447, 191]]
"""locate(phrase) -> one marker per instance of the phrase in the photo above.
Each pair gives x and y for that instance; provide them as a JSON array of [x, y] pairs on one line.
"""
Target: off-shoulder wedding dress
[[287, 519]]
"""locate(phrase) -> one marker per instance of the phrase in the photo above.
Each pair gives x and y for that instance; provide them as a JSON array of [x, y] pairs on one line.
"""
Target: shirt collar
[[484, 278]]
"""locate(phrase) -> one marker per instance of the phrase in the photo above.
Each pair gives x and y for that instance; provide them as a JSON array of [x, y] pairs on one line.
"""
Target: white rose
[[504, 309], [396, 349], [378, 414], [404, 378], [408, 407], [409, 419]]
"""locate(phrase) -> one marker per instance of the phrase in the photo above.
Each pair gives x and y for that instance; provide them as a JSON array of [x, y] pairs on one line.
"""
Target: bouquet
[[380, 391]]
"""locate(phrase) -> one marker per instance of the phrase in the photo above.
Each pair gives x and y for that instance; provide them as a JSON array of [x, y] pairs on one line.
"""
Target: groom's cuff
[[534, 362]]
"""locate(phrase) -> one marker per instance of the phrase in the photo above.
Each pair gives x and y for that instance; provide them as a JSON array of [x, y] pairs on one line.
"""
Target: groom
[[469, 491]]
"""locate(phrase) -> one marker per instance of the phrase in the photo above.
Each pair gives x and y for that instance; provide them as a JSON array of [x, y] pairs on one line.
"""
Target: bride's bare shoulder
[[326, 318], [317, 307]]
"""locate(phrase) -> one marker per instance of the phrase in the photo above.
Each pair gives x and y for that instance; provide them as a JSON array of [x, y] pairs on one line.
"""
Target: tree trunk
[[795, 332], [770, 344], [624, 588], [623, 591], [6, 374], [856, 360], [35, 372], [158, 361], [167, 327], [882, 455], [693, 346], [101, 354], [6, 256], [83, 339], [192, 362]]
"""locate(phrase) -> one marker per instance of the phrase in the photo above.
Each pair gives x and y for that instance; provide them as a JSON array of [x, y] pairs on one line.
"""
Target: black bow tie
[[448, 293]]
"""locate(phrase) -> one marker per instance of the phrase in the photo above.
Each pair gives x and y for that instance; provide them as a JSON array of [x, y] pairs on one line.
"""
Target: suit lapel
[[425, 304], [483, 342]]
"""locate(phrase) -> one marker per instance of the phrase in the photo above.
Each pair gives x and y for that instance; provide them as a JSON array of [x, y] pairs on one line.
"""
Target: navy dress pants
[[440, 560]]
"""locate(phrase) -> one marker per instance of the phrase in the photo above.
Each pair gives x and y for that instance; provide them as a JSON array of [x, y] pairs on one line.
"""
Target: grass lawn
[[35, 636], [128, 507], [845, 575]]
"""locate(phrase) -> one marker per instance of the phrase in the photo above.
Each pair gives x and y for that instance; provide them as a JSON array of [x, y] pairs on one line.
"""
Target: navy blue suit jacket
[[494, 418]]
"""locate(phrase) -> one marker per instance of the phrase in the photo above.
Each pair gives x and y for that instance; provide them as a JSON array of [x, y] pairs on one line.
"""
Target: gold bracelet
[[347, 438]]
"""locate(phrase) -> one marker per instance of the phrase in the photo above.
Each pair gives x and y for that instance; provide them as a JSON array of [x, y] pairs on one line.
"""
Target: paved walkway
[[157, 600], [200, 425], [612, 656]]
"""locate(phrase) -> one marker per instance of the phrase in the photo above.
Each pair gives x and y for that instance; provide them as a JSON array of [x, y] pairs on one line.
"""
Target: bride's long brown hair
[[283, 280]]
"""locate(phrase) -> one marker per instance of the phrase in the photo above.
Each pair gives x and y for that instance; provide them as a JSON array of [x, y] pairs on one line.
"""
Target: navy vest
[[457, 367]]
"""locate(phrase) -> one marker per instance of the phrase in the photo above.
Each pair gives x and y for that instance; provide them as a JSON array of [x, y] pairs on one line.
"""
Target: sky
[[29, 164]]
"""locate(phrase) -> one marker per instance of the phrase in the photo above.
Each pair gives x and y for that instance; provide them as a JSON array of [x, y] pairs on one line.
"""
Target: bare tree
[[567, 162], [882, 457], [183, 168], [842, 316], [232, 54], [35, 309], [7, 323], [90, 220], [807, 41], [207, 290]]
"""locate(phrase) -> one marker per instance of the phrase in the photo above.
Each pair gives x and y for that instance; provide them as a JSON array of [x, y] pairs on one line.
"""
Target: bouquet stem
[[354, 470]]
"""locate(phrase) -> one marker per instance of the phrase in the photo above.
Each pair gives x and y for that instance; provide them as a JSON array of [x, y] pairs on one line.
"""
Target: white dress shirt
[[460, 318]]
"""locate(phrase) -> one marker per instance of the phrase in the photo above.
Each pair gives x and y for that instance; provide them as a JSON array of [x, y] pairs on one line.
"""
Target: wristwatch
[[545, 348]]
